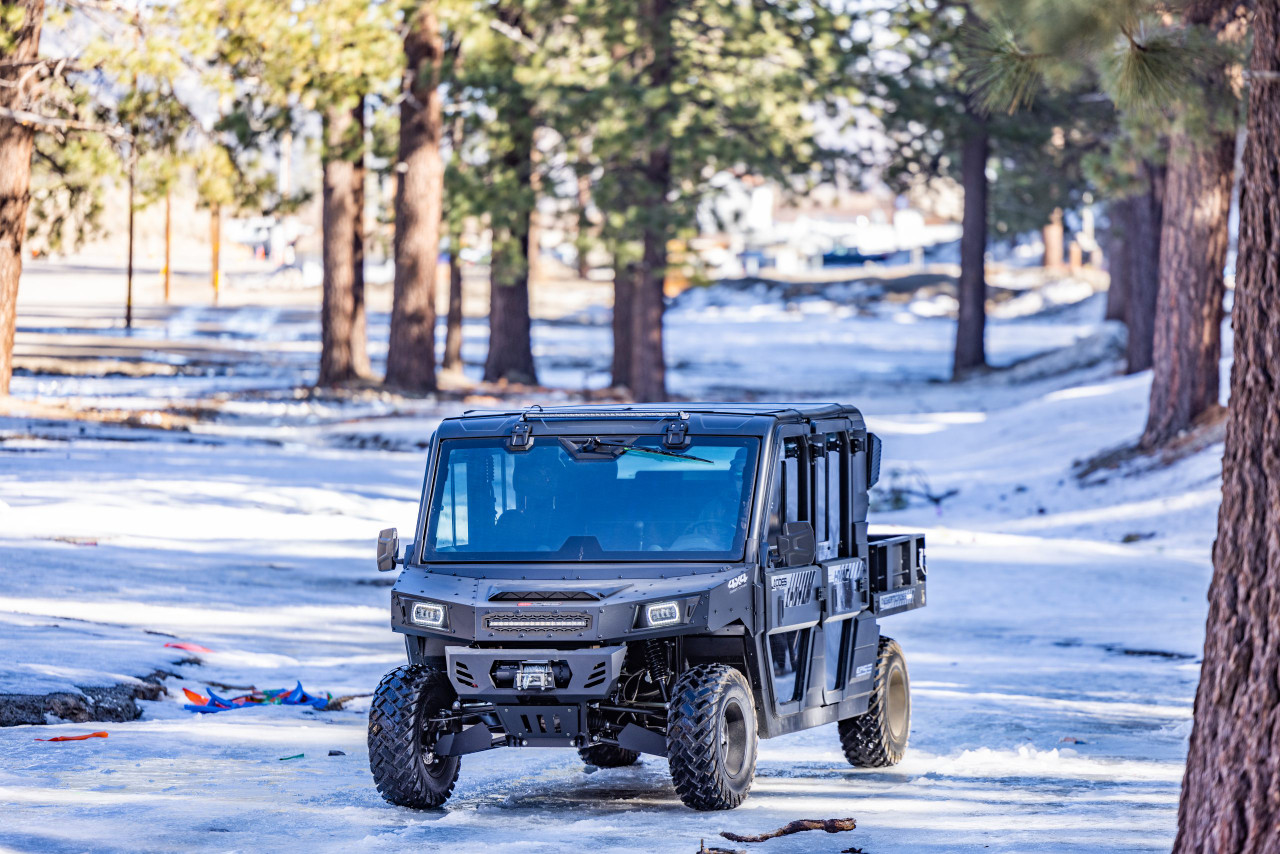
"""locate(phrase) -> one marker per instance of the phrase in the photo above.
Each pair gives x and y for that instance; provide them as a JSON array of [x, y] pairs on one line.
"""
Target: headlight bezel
[[670, 614], [439, 618]]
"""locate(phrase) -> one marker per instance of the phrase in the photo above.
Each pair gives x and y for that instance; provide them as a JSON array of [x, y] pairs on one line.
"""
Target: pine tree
[[20, 24], [1229, 790], [924, 87], [419, 197], [1173, 72], [673, 93]]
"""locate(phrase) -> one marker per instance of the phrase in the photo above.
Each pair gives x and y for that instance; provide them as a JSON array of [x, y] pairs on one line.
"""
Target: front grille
[[543, 596], [515, 621]]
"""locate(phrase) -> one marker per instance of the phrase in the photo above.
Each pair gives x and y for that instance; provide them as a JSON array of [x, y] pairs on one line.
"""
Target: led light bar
[[513, 622]]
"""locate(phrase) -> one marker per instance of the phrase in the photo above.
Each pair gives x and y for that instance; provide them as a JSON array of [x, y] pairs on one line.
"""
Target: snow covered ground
[[1052, 673]]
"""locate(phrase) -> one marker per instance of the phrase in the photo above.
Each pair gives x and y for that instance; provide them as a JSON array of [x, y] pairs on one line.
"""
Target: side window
[[839, 488], [785, 505], [830, 479]]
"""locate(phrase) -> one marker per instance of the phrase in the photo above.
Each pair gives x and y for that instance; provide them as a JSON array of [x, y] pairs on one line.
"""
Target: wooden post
[[128, 298], [215, 233], [168, 235]]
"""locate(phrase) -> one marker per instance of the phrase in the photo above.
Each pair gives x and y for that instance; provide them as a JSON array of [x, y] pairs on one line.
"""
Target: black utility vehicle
[[644, 579]]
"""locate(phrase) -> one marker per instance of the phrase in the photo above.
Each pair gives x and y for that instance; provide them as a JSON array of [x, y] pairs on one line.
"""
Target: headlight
[[662, 614], [429, 614]]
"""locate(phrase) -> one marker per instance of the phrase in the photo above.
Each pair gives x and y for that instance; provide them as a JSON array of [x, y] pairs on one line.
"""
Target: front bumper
[[582, 674]]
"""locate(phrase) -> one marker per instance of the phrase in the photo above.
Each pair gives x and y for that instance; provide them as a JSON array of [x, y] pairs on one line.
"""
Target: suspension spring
[[655, 656]]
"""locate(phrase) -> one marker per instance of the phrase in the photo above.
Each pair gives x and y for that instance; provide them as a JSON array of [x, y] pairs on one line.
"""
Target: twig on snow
[[830, 825]]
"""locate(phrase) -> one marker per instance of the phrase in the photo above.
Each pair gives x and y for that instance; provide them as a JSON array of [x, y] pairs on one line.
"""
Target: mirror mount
[[388, 549], [796, 544]]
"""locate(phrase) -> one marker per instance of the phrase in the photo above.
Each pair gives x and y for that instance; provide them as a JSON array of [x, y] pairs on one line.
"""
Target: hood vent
[[544, 596]]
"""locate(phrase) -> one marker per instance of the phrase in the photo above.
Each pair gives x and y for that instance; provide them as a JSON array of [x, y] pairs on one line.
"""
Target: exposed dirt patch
[[112, 703]]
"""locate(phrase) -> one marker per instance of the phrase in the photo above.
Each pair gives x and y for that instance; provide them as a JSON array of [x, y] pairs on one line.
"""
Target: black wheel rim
[[735, 737], [898, 708]]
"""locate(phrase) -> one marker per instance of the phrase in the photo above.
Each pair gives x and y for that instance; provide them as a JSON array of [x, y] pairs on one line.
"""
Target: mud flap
[[473, 739], [641, 740]]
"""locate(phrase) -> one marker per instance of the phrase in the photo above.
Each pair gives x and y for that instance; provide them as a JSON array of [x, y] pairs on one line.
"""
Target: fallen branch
[[703, 849], [830, 825]]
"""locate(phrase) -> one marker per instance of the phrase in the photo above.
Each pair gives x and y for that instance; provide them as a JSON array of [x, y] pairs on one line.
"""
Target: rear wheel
[[711, 737], [402, 737], [608, 756], [878, 738]]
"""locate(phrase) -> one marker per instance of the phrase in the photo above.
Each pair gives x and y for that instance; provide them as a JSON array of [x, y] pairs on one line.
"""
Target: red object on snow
[[198, 699], [75, 737], [189, 647]]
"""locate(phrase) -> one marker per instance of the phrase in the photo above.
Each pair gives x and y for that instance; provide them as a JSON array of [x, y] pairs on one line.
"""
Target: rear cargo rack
[[896, 572]]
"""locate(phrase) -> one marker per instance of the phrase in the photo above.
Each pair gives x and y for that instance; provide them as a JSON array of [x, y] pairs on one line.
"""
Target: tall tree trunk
[[1116, 247], [15, 170], [624, 290], [583, 238], [510, 344], [1193, 251], [453, 322], [510, 356], [648, 362], [971, 322], [1143, 235], [337, 311], [359, 319], [411, 356], [1229, 801]]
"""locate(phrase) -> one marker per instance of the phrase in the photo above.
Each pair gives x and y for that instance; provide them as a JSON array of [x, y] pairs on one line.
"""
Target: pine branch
[[53, 123], [1000, 75]]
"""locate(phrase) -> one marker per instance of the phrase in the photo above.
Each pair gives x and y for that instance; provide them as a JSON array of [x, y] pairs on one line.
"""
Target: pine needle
[[1001, 76]]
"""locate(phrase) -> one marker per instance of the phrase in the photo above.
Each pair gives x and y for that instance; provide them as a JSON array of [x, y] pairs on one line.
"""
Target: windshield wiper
[[622, 449]]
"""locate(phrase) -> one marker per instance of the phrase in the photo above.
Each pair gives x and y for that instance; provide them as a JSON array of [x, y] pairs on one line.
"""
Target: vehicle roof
[[755, 418], [805, 410]]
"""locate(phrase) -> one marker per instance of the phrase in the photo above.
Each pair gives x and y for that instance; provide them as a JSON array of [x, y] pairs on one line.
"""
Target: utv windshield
[[621, 498]]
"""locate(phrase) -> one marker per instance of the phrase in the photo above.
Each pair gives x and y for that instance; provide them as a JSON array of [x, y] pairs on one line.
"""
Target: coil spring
[[655, 656]]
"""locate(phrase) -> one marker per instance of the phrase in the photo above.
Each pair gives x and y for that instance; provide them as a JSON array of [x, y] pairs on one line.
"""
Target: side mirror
[[388, 549], [797, 545]]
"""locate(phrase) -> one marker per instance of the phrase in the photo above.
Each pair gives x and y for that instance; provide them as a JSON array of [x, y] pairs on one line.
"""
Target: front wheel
[[711, 737], [878, 738], [402, 737]]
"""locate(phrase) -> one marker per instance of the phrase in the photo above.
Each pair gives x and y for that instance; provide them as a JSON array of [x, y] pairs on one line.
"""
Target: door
[[793, 609]]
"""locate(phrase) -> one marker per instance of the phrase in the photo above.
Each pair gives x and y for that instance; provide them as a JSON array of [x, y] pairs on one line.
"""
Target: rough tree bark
[[510, 356], [15, 171], [453, 322], [411, 351], [359, 318], [1229, 801], [624, 289], [1143, 235], [648, 363], [970, 352], [1193, 250], [338, 224]]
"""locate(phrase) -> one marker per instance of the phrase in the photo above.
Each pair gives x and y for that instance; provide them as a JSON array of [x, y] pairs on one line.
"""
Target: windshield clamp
[[520, 440], [677, 434]]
